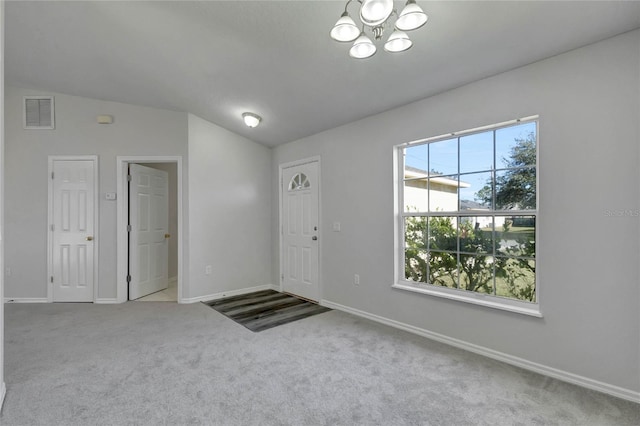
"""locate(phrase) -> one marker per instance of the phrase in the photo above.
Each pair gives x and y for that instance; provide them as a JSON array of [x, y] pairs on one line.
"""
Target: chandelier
[[376, 16]]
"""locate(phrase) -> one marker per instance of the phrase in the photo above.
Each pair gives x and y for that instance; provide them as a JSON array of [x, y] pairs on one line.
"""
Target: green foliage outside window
[[431, 256]]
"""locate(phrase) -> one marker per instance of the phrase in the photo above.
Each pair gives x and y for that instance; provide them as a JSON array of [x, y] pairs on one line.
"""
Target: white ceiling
[[217, 59]]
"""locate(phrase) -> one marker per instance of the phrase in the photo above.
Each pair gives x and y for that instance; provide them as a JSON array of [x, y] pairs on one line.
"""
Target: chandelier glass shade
[[376, 16], [398, 42], [345, 29], [375, 12], [362, 48], [411, 18]]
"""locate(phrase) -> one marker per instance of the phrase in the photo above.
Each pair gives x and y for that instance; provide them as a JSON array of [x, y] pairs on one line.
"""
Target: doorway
[[152, 197], [168, 238], [299, 216]]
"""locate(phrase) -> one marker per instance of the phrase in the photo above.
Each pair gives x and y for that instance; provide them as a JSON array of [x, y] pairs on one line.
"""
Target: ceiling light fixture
[[251, 119], [376, 16]]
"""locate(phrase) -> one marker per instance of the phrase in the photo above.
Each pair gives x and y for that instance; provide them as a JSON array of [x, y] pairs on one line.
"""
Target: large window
[[467, 210]]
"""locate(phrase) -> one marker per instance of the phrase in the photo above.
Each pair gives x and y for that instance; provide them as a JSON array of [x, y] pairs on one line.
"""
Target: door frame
[[281, 167], [96, 223], [122, 206]]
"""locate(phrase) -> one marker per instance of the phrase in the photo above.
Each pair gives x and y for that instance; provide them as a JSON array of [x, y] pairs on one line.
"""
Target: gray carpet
[[154, 363], [262, 310]]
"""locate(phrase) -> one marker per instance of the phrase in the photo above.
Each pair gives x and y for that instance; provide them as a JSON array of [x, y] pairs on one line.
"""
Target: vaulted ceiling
[[217, 59]]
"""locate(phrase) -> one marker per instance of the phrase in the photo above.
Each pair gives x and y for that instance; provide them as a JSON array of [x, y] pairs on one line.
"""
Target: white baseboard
[[106, 301], [25, 300], [565, 376], [230, 293], [44, 300]]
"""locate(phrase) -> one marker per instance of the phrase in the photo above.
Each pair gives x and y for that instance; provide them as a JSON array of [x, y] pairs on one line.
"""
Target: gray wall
[[136, 131], [588, 102], [229, 210]]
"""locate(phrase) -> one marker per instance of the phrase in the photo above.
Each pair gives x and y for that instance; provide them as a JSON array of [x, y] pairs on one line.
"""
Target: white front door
[[72, 201], [149, 220], [300, 198]]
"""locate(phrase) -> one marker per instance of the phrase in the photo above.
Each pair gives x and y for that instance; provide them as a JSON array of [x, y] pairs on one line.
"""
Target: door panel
[[73, 203], [149, 220], [300, 230]]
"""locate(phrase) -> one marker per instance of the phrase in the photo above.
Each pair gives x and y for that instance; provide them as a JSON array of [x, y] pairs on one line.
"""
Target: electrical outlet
[[208, 270], [356, 279]]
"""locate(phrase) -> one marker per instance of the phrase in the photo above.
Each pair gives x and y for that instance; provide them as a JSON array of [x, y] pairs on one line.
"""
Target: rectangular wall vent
[[38, 112]]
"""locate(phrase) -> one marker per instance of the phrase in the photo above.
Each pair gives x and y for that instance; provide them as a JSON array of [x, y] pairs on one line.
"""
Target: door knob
[[89, 238], [314, 238], [167, 235]]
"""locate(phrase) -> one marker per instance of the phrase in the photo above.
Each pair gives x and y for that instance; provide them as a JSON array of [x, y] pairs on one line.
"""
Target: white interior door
[[300, 198], [149, 219], [72, 215]]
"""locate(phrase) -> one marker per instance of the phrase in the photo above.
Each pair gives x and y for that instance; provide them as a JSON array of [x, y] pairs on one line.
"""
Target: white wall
[[229, 211], [588, 273], [136, 131]]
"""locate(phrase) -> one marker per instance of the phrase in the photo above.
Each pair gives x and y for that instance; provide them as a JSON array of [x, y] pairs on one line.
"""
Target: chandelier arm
[[378, 30], [348, 2]]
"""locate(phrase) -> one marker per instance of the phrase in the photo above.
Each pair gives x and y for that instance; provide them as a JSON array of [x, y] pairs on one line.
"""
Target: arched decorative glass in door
[[299, 182]]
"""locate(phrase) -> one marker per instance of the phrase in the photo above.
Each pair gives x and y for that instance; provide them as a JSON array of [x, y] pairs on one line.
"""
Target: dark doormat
[[265, 309]]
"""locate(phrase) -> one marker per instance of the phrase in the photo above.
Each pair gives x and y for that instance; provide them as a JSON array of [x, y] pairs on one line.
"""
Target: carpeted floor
[[265, 309], [159, 363]]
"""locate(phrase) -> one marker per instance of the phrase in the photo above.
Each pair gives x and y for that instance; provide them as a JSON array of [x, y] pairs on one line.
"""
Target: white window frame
[[490, 301]]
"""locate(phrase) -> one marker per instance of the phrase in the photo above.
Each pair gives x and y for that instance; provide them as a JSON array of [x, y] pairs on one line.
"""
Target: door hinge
[[53, 227], [52, 174], [128, 228], [129, 178], [282, 277], [128, 278], [51, 279]]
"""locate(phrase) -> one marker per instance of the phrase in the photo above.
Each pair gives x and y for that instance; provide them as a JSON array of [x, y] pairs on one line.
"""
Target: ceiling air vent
[[38, 112]]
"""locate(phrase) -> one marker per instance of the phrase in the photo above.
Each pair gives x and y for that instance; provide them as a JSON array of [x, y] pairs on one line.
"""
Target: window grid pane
[[469, 215]]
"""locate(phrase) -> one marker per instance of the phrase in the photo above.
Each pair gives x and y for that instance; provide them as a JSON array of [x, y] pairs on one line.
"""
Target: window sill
[[473, 298]]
